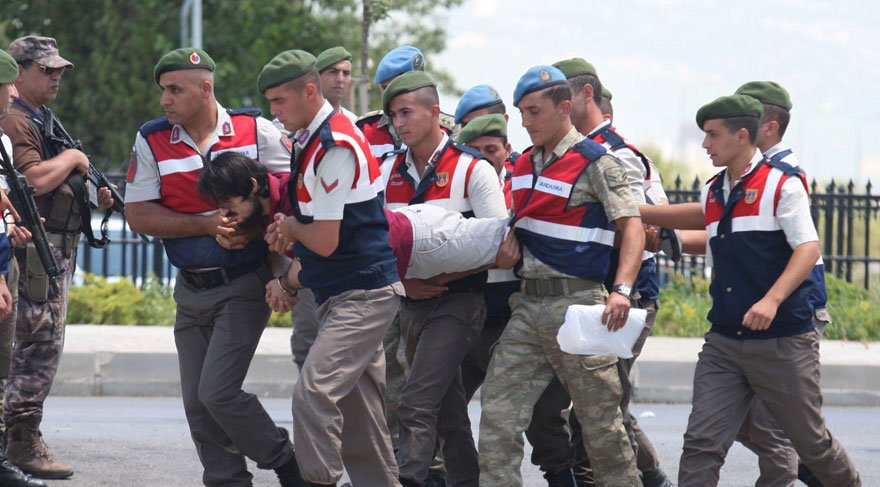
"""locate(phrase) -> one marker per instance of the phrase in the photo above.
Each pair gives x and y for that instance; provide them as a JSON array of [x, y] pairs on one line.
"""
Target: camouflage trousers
[[39, 338], [524, 362]]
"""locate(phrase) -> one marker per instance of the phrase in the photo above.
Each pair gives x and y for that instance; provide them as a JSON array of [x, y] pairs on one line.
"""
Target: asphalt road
[[134, 442]]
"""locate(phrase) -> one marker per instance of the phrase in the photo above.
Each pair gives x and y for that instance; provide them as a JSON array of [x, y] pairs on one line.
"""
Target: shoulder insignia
[[447, 121], [154, 126], [469, 150], [252, 111], [589, 149]]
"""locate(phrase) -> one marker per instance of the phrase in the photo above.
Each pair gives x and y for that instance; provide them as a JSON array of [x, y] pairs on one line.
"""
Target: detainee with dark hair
[[762, 247]]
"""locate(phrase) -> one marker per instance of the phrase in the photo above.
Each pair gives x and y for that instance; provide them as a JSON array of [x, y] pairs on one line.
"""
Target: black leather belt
[[216, 277]]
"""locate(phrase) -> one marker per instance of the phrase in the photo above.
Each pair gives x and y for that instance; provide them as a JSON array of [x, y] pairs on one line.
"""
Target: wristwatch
[[622, 289]]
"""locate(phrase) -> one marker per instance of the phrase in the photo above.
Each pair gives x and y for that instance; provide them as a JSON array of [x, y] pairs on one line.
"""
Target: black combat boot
[[436, 478], [408, 483], [655, 478], [289, 476], [563, 478], [11, 476], [807, 476]]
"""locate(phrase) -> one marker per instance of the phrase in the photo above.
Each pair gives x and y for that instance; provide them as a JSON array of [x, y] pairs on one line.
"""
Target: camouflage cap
[[183, 58], [332, 56], [575, 66], [287, 66], [41, 50], [405, 83], [8, 68], [494, 125], [767, 92], [729, 107]]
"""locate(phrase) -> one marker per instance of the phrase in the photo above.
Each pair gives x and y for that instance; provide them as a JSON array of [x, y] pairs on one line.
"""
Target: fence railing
[[846, 221]]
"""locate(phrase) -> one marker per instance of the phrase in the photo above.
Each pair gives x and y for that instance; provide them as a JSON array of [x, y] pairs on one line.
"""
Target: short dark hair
[[229, 175], [558, 94], [310, 76], [606, 107], [578, 82], [751, 124], [427, 96], [497, 108], [26, 63], [778, 114]]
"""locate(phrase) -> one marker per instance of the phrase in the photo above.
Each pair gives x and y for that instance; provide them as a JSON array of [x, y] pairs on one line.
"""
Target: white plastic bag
[[583, 332]]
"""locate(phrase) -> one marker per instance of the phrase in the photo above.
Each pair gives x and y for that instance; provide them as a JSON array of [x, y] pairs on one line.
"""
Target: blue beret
[[476, 98], [398, 61], [535, 79]]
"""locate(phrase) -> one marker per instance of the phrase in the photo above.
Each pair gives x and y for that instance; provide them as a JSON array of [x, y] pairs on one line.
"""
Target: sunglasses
[[50, 71]]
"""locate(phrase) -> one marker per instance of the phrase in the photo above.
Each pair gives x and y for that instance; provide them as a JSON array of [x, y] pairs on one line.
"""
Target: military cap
[[183, 58], [42, 50], [606, 93], [729, 107], [8, 68], [287, 66], [767, 92], [494, 125], [575, 67], [537, 78], [332, 56], [406, 83], [398, 61], [476, 98]]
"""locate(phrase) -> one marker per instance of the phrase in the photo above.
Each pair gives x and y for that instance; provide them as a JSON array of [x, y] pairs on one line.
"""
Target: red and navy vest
[[750, 252], [444, 184], [502, 283], [363, 259], [179, 168], [647, 282], [575, 240], [382, 141], [819, 298]]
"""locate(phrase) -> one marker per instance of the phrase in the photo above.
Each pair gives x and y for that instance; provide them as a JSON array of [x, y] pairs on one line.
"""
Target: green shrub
[[100, 301], [685, 303]]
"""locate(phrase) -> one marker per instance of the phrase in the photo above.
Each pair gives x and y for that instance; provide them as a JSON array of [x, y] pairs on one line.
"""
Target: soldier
[[376, 125], [478, 101], [565, 216], [10, 475], [341, 237], [588, 119], [760, 432], [438, 321], [762, 246], [548, 431], [334, 64], [221, 311], [56, 174]]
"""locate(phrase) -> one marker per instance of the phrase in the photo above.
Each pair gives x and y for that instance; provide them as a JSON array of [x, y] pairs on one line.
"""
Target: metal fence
[[845, 217]]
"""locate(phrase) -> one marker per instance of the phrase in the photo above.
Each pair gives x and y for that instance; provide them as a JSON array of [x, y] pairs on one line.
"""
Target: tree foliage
[[115, 44]]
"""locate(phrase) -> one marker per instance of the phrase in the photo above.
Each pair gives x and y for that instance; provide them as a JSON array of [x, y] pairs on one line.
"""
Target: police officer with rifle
[[57, 174]]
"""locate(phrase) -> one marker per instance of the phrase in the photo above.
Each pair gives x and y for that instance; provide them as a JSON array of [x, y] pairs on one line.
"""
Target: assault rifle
[[54, 133], [21, 194]]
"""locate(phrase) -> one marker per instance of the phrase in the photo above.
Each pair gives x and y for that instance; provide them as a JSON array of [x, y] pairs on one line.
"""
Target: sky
[[663, 59]]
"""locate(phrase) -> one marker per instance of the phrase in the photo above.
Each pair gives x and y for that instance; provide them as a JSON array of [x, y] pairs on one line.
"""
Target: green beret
[[494, 125], [405, 83], [8, 68], [183, 58], [575, 67], [332, 56], [606, 93], [767, 92], [287, 66], [729, 107]]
